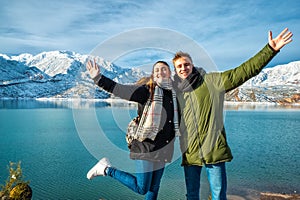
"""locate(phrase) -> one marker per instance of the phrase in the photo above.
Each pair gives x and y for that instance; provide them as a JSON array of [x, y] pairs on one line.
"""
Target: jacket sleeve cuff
[[97, 78], [274, 51]]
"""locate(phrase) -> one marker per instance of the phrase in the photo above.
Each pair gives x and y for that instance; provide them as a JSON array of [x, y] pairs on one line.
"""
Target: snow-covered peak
[[51, 63], [22, 57], [6, 57], [56, 74], [286, 74]]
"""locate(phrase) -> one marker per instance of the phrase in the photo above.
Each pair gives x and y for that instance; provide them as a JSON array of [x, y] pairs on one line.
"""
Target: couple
[[200, 98]]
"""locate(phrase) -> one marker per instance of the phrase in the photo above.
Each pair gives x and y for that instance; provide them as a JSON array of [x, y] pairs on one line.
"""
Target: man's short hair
[[181, 54]]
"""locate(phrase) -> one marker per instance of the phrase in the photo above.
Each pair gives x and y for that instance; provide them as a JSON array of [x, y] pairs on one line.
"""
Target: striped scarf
[[150, 119]]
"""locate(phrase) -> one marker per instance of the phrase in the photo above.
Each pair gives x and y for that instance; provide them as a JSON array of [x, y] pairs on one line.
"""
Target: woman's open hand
[[93, 68]]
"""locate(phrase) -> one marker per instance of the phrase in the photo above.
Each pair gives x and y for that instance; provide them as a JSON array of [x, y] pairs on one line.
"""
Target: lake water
[[58, 142]]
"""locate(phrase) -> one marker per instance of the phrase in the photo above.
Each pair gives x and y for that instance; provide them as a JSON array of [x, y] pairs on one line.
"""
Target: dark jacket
[[161, 149]]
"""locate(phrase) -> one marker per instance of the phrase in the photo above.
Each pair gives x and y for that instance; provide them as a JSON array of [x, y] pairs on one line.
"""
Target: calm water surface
[[57, 145]]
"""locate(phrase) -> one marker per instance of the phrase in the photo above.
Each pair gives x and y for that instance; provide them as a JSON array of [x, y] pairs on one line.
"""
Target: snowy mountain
[[279, 84], [288, 74], [62, 74], [56, 74]]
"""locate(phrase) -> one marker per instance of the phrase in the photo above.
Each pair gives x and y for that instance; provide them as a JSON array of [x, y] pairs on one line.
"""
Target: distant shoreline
[[122, 100], [228, 105]]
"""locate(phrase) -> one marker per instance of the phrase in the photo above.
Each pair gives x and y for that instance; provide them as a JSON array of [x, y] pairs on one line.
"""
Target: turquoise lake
[[57, 143]]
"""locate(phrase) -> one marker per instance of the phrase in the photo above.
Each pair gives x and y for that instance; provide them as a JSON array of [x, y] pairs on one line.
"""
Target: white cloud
[[230, 32]]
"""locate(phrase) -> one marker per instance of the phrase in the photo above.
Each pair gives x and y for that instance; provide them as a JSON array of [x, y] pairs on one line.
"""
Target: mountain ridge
[[62, 74]]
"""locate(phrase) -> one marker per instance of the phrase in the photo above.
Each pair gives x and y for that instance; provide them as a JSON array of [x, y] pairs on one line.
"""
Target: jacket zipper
[[196, 127]]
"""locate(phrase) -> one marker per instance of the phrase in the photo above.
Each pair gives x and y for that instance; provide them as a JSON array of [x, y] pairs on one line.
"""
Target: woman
[[155, 139]]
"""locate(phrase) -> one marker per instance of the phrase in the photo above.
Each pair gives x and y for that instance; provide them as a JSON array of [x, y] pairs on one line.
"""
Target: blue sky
[[229, 31]]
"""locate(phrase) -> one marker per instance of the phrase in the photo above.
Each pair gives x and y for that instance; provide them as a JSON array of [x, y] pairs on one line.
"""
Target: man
[[201, 99]]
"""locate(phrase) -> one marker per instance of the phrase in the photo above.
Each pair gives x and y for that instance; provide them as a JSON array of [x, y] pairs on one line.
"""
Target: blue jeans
[[216, 175], [146, 183]]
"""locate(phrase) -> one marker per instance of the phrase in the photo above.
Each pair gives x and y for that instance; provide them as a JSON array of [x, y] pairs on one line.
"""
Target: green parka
[[203, 137]]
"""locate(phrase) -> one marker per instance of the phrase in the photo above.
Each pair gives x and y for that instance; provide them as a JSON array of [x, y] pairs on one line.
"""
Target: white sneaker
[[99, 168]]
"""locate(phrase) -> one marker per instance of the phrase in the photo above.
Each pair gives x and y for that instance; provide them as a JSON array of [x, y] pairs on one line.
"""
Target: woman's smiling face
[[160, 72]]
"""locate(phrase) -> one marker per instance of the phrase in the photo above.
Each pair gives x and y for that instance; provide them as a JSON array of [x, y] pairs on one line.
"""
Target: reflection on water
[[258, 106], [61, 103], [91, 103]]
